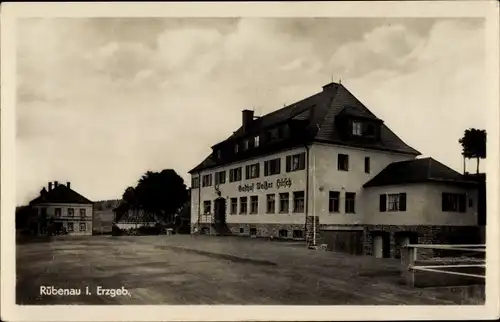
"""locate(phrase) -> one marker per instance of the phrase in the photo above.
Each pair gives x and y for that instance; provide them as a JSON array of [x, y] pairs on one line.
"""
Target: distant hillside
[[106, 204]]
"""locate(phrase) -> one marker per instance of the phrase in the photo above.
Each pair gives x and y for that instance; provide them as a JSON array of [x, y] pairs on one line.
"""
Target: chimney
[[56, 184], [68, 184], [329, 86], [247, 118], [50, 186]]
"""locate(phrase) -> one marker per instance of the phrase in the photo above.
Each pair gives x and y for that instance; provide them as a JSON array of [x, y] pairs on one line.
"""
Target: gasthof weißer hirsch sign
[[280, 183]]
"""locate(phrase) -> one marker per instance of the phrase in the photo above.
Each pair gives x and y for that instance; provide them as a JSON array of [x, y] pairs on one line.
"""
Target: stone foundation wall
[[425, 235], [267, 230]]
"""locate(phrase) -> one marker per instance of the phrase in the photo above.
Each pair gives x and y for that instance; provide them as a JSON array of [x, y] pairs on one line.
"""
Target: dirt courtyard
[[184, 269]]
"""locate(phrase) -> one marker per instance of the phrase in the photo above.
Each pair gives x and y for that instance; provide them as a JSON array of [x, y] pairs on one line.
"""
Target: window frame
[[331, 201], [282, 210], [254, 201], [348, 203], [296, 201], [243, 202], [270, 201], [340, 165]]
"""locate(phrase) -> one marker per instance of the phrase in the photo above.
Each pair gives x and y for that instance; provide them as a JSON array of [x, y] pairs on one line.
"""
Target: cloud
[[100, 101]]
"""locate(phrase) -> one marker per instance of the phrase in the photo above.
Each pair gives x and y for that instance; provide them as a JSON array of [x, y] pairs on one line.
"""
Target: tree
[[473, 145], [162, 193]]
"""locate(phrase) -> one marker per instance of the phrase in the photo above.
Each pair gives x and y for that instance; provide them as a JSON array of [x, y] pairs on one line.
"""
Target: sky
[[100, 101]]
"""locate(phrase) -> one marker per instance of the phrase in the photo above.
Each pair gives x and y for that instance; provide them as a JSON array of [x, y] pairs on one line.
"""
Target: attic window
[[357, 128], [236, 148], [245, 144], [256, 141], [218, 154]]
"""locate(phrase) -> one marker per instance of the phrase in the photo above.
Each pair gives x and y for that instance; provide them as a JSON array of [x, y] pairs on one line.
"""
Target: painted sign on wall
[[280, 183]]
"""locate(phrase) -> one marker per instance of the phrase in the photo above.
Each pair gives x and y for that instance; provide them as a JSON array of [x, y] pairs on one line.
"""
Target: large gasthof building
[[328, 171]]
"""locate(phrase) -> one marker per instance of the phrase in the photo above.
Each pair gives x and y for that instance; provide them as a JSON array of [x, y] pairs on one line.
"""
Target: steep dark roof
[[325, 106], [61, 194], [417, 171]]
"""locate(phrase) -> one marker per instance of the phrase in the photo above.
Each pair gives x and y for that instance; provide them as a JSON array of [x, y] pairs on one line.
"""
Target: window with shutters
[[392, 202], [252, 171], [453, 202], [334, 201], [296, 162], [272, 167], [220, 177], [195, 182], [206, 180], [235, 174]]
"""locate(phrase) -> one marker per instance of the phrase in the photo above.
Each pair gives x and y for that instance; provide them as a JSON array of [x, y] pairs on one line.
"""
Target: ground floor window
[[70, 226], [243, 205], [333, 201], [253, 231], [207, 205], [283, 233], [298, 201], [350, 202], [83, 226], [298, 233], [254, 204], [242, 230], [234, 206], [271, 203], [284, 202]]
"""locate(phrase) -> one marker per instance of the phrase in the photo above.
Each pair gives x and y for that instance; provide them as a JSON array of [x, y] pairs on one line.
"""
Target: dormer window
[[245, 145], [357, 128], [360, 128], [218, 154], [256, 141], [236, 147]]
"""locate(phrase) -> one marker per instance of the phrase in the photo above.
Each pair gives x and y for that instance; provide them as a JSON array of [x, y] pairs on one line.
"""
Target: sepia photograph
[[209, 159]]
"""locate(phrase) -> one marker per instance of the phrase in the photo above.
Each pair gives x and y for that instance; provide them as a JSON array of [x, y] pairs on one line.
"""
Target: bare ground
[[185, 269]]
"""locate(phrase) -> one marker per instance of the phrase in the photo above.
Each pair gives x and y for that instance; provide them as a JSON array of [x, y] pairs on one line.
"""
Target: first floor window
[[71, 212], [284, 202], [343, 162], [206, 180], [83, 226], [70, 226], [334, 201], [453, 202], [83, 213], [298, 201], [296, 162], [350, 202], [235, 174], [254, 204], [57, 212], [234, 205], [220, 177], [271, 203], [195, 182], [367, 165], [243, 205], [207, 205], [272, 167], [252, 171]]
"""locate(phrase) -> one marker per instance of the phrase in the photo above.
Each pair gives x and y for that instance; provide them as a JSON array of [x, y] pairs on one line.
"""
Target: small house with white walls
[[62, 209], [326, 170]]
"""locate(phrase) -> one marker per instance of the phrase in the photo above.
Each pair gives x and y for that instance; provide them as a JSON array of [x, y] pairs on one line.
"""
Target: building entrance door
[[378, 247], [219, 214]]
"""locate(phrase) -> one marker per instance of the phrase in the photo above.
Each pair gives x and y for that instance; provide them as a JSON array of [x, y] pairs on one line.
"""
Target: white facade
[[323, 177], [76, 219]]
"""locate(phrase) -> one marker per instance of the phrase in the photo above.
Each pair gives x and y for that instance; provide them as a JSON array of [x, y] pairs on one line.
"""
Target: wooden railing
[[450, 265]]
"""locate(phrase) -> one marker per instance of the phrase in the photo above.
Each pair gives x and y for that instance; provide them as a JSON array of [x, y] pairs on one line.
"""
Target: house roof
[[417, 171], [320, 111], [61, 194]]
